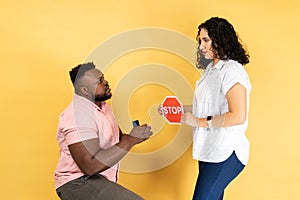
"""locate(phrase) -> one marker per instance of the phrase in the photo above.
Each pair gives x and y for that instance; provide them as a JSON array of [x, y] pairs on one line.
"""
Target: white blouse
[[217, 144]]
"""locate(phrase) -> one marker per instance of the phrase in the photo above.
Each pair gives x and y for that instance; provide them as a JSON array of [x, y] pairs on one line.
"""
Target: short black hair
[[78, 71]]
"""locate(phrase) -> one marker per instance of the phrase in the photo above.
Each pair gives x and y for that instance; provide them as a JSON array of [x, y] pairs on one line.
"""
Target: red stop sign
[[172, 109]]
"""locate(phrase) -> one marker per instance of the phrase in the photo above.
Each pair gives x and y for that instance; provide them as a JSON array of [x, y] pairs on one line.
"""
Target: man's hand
[[139, 134]]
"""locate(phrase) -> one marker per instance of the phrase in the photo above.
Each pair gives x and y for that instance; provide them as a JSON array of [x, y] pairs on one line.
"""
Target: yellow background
[[41, 40]]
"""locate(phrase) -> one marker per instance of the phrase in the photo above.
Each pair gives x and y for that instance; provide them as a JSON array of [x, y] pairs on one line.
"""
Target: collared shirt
[[80, 121], [217, 144]]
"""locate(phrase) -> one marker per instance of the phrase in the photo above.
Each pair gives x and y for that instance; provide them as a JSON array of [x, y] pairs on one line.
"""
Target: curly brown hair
[[225, 41]]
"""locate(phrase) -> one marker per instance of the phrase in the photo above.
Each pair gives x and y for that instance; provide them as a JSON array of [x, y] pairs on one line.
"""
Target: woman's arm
[[237, 106], [187, 108]]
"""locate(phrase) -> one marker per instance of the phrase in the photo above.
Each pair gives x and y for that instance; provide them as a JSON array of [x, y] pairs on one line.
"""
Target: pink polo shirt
[[83, 120]]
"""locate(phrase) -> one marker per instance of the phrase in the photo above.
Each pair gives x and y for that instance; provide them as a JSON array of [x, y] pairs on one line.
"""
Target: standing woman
[[219, 115]]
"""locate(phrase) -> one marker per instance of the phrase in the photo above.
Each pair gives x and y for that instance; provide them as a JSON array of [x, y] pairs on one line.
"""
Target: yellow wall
[[41, 40]]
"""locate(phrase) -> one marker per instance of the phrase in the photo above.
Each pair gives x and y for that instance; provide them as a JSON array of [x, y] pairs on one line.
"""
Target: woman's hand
[[189, 119], [159, 110]]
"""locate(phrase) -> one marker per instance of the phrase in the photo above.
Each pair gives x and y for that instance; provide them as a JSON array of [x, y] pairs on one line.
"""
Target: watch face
[[209, 118]]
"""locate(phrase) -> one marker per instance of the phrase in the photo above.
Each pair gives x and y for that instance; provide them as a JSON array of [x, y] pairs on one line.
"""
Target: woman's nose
[[201, 46]]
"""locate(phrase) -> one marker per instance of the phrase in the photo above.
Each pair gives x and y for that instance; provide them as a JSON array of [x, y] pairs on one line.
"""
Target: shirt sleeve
[[78, 126], [235, 73]]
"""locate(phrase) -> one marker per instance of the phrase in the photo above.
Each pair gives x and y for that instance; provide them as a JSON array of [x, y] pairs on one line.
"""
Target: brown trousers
[[95, 188]]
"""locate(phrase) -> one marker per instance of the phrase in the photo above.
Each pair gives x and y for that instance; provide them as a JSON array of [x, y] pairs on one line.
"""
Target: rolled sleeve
[[78, 130], [234, 74], [74, 135]]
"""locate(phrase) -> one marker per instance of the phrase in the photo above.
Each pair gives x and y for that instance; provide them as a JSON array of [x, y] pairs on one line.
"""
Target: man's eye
[[101, 80]]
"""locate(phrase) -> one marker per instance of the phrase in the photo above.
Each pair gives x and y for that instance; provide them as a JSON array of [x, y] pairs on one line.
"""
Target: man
[[91, 143]]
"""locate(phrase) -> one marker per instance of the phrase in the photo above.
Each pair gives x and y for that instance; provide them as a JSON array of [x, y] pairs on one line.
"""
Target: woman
[[220, 108]]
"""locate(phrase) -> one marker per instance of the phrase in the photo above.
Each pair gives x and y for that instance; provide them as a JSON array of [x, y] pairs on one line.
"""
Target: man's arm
[[92, 160]]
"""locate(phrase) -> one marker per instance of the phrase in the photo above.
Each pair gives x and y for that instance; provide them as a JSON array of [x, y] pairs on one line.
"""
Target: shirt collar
[[218, 66]]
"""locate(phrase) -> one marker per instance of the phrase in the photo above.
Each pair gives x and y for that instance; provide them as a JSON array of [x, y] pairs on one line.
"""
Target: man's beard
[[103, 97]]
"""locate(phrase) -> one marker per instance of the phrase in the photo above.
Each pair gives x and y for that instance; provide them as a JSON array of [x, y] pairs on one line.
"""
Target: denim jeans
[[213, 178]]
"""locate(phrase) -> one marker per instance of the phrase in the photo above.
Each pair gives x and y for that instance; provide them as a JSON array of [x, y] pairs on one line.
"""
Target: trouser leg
[[213, 178], [95, 188]]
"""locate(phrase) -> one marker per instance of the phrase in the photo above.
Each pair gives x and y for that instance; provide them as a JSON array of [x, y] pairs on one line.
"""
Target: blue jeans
[[213, 178]]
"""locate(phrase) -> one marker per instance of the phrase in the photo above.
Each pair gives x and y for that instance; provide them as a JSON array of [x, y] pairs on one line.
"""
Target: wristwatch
[[209, 121]]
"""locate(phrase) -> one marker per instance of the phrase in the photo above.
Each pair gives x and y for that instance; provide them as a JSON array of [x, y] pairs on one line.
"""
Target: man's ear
[[84, 90]]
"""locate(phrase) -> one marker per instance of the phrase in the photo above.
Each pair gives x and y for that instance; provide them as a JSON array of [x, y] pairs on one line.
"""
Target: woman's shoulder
[[233, 71], [232, 66]]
